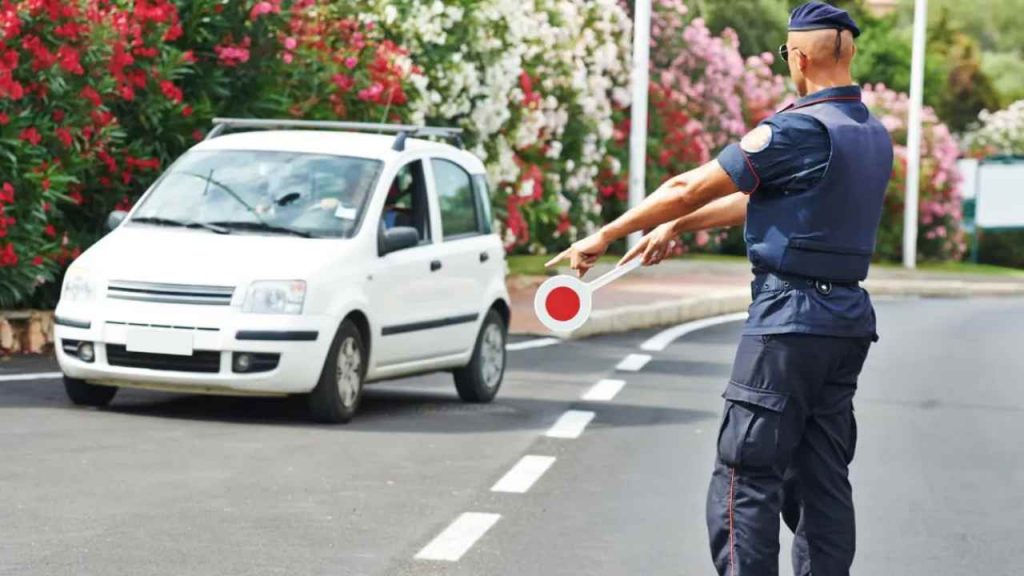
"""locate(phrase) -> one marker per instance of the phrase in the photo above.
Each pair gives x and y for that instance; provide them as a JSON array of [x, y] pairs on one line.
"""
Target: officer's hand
[[583, 255], [655, 246]]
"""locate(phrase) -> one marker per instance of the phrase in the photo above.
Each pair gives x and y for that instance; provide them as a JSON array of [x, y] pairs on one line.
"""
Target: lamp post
[[638, 109], [914, 135]]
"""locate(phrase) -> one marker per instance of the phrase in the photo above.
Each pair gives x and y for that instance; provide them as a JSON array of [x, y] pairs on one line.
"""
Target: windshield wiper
[[234, 195], [157, 220], [264, 227]]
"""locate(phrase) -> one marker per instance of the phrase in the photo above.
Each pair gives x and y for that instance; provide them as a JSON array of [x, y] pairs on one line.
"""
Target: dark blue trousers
[[786, 440]]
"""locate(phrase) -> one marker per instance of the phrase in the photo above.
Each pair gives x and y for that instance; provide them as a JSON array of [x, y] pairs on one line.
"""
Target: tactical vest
[[827, 232]]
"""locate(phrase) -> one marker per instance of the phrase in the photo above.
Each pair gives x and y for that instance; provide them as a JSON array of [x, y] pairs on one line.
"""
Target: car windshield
[[239, 191]]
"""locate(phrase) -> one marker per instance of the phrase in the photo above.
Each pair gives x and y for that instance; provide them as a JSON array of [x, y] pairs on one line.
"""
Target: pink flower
[[351, 62], [262, 8], [287, 57], [290, 43]]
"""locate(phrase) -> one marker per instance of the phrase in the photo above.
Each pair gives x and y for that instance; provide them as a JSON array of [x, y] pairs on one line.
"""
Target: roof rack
[[401, 131]]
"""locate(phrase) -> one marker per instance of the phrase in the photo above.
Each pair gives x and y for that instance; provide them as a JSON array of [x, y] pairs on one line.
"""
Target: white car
[[294, 257]]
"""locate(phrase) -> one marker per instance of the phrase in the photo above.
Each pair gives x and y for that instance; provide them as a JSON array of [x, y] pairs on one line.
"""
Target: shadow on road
[[394, 408]]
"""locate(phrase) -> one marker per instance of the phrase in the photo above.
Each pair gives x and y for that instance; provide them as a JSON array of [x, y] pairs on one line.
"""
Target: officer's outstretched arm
[[679, 196]]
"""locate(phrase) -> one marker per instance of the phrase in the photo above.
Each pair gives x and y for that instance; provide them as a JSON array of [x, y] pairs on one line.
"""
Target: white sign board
[[968, 168], [1000, 191]]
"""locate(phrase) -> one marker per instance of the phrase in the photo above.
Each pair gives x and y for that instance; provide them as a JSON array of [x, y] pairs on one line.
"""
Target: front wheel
[[336, 396], [84, 394], [480, 380]]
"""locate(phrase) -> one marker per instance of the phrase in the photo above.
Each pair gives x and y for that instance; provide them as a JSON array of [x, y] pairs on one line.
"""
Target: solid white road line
[[30, 376], [538, 343], [633, 362], [661, 340], [458, 537], [571, 424], [524, 474], [604, 390]]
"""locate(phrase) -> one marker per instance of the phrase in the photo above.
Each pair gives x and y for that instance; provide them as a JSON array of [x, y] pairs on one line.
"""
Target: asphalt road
[[173, 484]]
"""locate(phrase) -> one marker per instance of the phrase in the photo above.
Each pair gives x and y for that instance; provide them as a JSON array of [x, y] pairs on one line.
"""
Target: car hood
[[180, 256]]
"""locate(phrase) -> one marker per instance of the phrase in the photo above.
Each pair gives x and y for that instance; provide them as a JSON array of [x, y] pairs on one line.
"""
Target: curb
[[669, 313]]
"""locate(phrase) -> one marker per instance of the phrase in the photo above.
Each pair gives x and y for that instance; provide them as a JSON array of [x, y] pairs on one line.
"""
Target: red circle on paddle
[[562, 304]]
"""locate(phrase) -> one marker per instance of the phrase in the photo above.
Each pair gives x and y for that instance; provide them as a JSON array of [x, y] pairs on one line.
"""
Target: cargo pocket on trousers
[[749, 436]]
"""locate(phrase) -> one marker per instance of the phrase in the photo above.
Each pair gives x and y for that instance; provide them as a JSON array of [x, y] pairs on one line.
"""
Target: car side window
[[459, 208], [406, 203]]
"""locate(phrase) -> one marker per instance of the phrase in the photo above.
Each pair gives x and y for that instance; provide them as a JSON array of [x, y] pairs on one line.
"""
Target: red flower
[[127, 92], [188, 57], [50, 231], [30, 135], [186, 111], [89, 93], [68, 58], [65, 137], [197, 135], [4, 119], [6, 194], [76, 197], [8, 257], [58, 115], [171, 91], [37, 261]]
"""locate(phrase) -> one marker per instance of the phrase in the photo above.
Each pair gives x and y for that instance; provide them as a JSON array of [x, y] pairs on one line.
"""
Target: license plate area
[[159, 341]]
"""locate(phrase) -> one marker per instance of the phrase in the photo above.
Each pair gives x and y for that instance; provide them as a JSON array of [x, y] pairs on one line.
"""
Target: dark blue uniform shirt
[[792, 161]]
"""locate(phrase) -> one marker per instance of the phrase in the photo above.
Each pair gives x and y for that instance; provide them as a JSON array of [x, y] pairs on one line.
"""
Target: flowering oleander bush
[[941, 236], [96, 96], [76, 80], [1000, 132], [703, 96], [534, 84]]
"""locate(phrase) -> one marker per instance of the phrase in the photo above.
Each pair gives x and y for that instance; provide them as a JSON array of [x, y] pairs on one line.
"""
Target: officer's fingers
[[635, 251], [558, 258]]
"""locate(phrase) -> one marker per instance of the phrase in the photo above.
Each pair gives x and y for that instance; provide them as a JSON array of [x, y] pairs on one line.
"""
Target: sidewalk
[[681, 290]]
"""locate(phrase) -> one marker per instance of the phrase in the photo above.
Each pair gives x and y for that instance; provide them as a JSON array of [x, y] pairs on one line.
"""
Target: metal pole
[[638, 110], [914, 135]]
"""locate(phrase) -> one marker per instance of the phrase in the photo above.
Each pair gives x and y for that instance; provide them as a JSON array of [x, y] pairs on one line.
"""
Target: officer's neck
[[836, 79]]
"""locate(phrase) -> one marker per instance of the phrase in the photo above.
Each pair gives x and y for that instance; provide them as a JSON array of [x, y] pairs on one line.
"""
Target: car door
[[471, 254], [408, 295]]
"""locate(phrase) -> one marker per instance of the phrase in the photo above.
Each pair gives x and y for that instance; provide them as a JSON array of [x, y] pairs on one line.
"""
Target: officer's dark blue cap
[[821, 16]]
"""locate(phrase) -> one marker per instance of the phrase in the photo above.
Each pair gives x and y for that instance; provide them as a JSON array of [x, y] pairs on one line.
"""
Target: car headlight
[[78, 287], [275, 297]]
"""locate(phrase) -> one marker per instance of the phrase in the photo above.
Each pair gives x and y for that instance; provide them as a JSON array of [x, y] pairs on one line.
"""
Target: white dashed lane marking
[[571, 424], [30, 376], [604, 390], [529, 344], [458, 537], [524, 474], [661, 340], [633, 362]]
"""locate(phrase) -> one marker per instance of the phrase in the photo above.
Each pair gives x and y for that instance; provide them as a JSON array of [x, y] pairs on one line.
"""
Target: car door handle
[[435, 265], [484, 256]]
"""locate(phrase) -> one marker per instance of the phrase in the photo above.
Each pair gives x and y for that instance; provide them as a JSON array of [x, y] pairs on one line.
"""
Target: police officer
[[809, 184]]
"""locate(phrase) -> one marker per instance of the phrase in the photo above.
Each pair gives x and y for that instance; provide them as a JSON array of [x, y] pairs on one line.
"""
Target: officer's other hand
[[582, 255], [654, 247]]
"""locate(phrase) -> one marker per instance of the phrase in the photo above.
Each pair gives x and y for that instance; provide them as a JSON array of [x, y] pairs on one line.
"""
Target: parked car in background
[[294, 257]]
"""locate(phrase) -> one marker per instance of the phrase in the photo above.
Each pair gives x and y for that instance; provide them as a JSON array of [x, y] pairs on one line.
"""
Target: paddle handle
[[615, 273]]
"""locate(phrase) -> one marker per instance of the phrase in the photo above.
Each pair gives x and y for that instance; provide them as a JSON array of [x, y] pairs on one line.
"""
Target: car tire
[[84, 394], [479, 381], [336, 396]]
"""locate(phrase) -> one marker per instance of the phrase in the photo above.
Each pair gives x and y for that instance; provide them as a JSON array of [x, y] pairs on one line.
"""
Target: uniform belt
[[781, 283]]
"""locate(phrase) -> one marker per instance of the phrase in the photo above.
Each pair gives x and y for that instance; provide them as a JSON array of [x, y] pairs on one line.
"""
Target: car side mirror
[[116, 218], [399, 238]]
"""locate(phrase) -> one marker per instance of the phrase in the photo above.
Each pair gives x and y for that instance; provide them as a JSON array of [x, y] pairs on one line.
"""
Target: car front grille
[[170, 293], [207, 361]]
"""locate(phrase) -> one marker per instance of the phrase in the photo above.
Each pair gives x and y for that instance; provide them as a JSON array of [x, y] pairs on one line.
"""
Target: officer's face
[[797, 61]]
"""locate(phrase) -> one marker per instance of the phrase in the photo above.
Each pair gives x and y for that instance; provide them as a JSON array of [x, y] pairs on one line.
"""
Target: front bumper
[[300, 342]]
